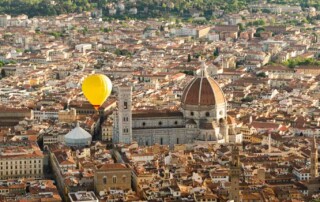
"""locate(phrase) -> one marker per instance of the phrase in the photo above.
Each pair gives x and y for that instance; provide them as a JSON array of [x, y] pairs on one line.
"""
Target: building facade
[[112, 177], [20, 160], [235, 168]]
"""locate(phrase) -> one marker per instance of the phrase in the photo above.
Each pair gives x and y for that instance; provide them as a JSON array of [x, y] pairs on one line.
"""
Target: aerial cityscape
[[169, 101]]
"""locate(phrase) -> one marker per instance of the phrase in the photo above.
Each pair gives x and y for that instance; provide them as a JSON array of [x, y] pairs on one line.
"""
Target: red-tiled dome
[[203, 91]]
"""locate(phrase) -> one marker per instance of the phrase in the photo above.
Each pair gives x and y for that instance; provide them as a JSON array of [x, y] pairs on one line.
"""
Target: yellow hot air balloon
[[96, 88]]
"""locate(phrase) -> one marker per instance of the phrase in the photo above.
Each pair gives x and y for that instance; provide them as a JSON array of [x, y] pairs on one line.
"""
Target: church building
[[202, 117]]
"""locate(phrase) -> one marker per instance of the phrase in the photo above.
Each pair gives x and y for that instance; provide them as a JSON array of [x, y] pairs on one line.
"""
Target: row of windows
[[207, 113], [20, 172], [17, 167], [114, 179], [159, 123], [51, 140], [161, 141], [218, 177], [16, 162], [2, 177]]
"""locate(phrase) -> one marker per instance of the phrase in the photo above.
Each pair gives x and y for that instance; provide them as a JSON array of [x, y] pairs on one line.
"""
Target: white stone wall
[[158, 122], [125, 114], [212, 113], [164, 136]]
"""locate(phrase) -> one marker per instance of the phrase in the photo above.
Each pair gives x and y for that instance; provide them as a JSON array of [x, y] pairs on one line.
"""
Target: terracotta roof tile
[[203, 91]]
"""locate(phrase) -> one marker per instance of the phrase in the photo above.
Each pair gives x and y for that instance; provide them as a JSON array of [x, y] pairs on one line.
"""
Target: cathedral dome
[[203, 91]]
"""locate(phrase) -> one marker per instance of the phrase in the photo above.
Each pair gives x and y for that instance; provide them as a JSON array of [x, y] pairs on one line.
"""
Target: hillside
[[154, 8]]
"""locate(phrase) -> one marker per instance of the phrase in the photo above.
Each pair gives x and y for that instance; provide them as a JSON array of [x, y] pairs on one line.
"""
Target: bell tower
[[123, 120], [234, 174], [314, 159]]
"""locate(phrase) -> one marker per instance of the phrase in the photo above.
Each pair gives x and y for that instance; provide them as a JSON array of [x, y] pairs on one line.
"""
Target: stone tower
[[314, 159], [123, 119], [234, 175]]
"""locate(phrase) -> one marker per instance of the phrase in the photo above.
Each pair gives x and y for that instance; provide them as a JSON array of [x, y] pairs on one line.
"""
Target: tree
[[3, 73], [196, 55], [161, 28], [266, 11], [292, 63], [85, 30], [247, 99], [261, 74], [241, 27], [259, 30], [216, 52], [188, 72]]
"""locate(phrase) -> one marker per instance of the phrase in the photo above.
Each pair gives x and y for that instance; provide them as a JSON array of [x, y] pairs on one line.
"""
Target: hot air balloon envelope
[[96, 88]]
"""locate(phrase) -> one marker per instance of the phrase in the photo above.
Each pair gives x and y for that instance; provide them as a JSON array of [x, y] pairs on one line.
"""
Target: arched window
[[176, 122], [207, 114], [221, 121], [143, 123], [160, 123], [114, 179], [124, 178], [105, 180], [191, 113]]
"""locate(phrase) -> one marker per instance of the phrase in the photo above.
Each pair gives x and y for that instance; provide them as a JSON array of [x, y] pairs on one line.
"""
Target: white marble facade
[[202, 117]]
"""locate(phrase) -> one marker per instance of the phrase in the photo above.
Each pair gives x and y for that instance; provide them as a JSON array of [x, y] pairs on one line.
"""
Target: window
[[177, 140], [114, 179], [125, 105], [176, 122], [207, 114], [160, 123], [161, 141], [124, 178], [191, 113], [105, 180], [143, 124]]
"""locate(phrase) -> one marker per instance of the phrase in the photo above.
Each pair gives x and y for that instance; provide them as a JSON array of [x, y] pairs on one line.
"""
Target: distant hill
[[46, 7], [152, 8]]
